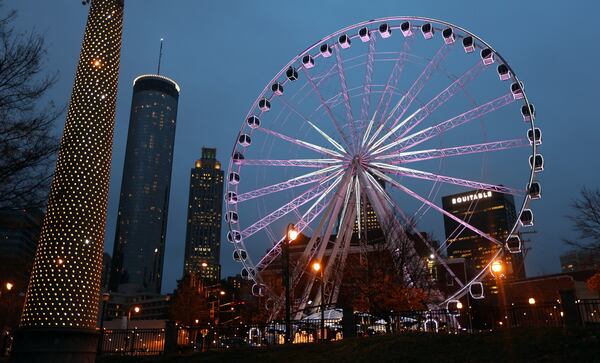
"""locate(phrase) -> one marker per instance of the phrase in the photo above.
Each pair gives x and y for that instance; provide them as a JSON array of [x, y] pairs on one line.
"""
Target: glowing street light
[[497, 267], [222, 292], [459, 305], [292, 233], [317, 267], [531, 301], [9, 286], [204, 264]]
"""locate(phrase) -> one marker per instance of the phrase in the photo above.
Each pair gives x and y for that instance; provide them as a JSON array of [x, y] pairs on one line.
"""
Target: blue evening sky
[[222, 53]]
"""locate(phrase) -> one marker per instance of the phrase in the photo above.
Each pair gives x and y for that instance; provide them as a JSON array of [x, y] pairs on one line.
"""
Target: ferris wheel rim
[[248, 264]]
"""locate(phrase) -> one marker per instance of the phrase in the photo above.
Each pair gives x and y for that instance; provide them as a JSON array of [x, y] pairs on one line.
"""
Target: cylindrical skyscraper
[[61, 306], [144, 201]]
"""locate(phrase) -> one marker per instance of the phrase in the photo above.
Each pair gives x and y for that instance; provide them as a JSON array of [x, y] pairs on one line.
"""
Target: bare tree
[[27, 144], [394, 275], [189, 301], [586, 220]]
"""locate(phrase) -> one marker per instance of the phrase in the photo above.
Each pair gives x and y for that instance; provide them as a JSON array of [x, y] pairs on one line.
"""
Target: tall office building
[[492, 213], [61, 305], [580, 260], [203, 235], [370, 226], [139, 247]]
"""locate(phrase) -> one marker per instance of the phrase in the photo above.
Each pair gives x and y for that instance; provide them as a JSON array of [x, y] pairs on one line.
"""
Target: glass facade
[[490, 212], [144, 200], [203, 235]]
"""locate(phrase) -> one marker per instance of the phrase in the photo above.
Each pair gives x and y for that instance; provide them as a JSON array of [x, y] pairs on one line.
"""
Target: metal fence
[[583, 313], [589, 311], [255, 335], [132, 341]]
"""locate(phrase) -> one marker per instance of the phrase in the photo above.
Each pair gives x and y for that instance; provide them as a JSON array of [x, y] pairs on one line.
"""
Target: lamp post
[[497, 269], [134, 309], [5, 336], [318, 269], [290, 235], [105, 298]]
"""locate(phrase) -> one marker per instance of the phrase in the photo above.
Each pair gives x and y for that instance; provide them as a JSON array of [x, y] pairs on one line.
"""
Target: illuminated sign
[[471, 197]]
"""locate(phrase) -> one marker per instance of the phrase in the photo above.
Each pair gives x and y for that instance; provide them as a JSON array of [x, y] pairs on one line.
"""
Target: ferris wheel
[[381, 119]]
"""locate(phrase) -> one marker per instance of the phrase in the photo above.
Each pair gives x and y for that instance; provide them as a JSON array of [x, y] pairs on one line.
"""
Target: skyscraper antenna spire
[[160, 54]]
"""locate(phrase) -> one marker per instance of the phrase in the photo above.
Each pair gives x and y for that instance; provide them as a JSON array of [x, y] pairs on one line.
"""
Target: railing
[[255, 335], [583, 313], [589, 311], [132, 341]]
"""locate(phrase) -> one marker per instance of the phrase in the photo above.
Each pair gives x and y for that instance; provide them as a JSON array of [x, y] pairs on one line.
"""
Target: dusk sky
[[222, 54]]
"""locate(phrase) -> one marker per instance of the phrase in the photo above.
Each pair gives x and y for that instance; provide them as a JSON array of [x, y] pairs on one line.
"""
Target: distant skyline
[[223, 54]]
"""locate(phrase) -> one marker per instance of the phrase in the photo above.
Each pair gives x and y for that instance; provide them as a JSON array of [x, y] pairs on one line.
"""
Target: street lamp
[[9, 286], [290, 235], [318, 269], [531, 301], [134, 309], [497, 269]]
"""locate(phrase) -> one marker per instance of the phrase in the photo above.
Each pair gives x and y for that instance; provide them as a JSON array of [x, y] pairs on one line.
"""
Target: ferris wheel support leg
[[341, 263], [395, 232]]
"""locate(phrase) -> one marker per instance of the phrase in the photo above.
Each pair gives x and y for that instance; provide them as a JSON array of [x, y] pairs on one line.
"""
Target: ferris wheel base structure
[[378, 120]]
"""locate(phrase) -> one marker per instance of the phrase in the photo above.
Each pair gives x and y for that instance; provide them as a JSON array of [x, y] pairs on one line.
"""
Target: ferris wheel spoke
[[441, 98], [444, 126], [328, 138], [434, 251], [404, 104], [304, 179], [413, 156], [392, 81], [391, 132], [312, 193], [413, 173], [301, 163], [327, 108], [313, 212], [369, 68], [346, 97], [413, 194], [304, 144]]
